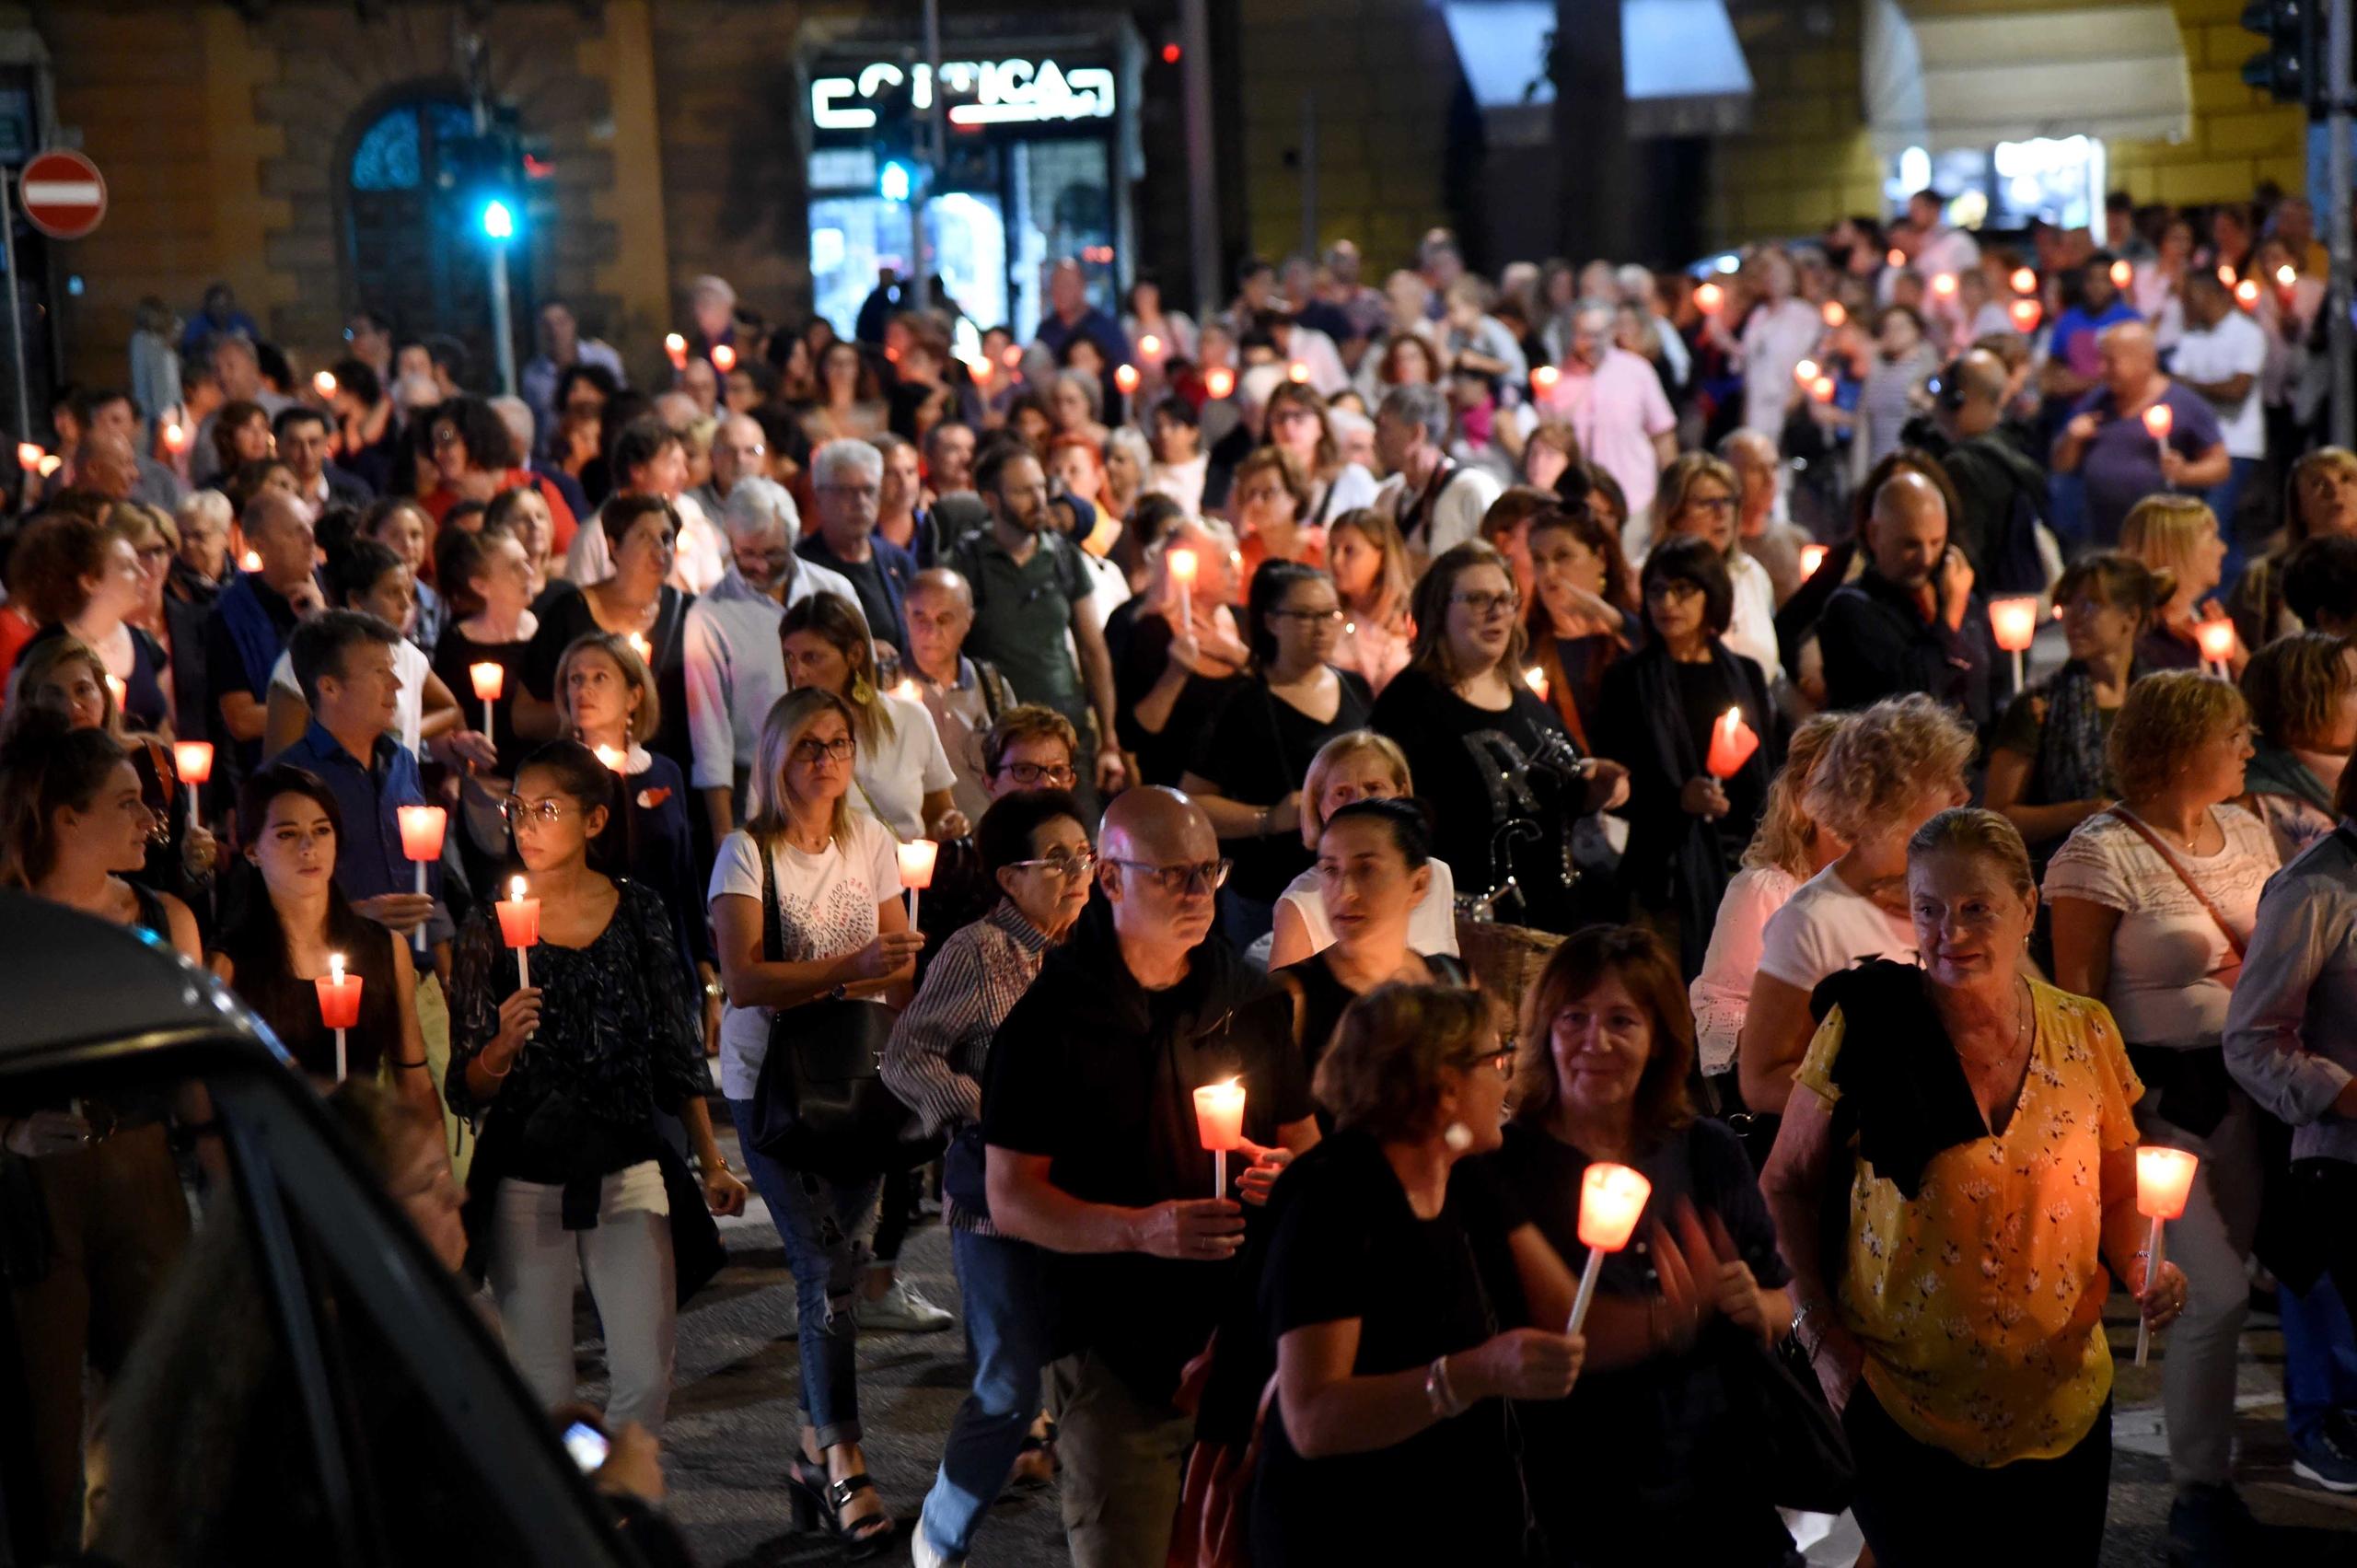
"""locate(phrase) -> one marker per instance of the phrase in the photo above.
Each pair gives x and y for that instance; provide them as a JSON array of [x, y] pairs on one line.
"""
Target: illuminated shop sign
[[979, 92]]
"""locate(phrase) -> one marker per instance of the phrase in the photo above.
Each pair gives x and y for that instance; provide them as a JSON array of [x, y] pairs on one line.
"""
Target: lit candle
[[2159, 422], [1125, 376], [1732, 744], [1611, 1197], [1298, 373], [421, 829], [677, 347], [916, 870], [2247, 294], [907, 691], [1834, 313], [2226, 273], [2163, 1181], [2217, 640], [1536, 678], [2025, 314], [519, 927], [251, 561], [1894, 257], [116, 689], [50, 465], [175, 437], [613, 760], [1822, 389], [2014, 622], [2123, 274], [724, 358], [193, 759], [339, 1005], [490, 679], [1219, 381], [1150, 346], [29, 454], [2025, 281], [1943, 286], [2286, 276], [1219, 1122], [1710, 299], [641, 647], [324, 383], [1812, 557], [1807, 371], [1545, 376], [1182, 565]]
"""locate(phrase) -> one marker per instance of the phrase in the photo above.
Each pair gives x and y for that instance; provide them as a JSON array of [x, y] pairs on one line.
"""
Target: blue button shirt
[[369, 859]]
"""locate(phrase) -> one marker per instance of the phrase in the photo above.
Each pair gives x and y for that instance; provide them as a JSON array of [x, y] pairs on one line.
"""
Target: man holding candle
[[1910, 622], [1093, 1150]]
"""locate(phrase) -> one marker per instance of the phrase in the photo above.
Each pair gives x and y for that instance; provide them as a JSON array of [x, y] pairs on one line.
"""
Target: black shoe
[[2210, 1527], [816, 1502]]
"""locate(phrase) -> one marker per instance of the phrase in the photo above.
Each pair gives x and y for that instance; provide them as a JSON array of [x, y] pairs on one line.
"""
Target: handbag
[[820, 1103], [1800, 1456]]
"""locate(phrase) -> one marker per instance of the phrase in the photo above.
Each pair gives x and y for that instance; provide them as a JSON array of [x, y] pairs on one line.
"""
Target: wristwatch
[[839, 992]]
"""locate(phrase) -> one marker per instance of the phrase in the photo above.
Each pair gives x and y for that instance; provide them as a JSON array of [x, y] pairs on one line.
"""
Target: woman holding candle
[[1888, 772], [487, 579], [1183, 655], [903, 778], [289, 927], [1607, 1051], [642, 531], [1693, 804], [1394, 1286], [1984, 1134], [1269, 499], [1361, 766], [1246, 777], [2303, 694], [2154, 901], [2047, 767], [841, 931], [1577, 622], [2177, 536], [1368, 561], [1492, 759], [565, 1078]]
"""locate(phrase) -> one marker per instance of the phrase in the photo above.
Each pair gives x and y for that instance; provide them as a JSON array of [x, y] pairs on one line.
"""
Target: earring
[[1458, 1136], [862, 693]]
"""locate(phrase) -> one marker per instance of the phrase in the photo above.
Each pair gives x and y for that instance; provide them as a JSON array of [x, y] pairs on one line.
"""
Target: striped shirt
[[933, 1060]]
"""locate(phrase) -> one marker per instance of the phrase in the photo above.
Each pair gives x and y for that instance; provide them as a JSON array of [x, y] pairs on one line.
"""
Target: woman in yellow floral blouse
[[1982, 1131]]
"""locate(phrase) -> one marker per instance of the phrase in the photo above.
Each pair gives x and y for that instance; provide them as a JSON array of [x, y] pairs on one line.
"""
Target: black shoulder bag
[[820, 1103]]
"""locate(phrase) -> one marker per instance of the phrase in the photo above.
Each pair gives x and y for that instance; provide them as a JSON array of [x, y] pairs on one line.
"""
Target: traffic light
[[485, 177], [498, 220], [895, 180], [2287, 69]]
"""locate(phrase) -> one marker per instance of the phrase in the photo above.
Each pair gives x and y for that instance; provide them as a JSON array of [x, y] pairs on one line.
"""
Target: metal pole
[[11, 186], [932, 147], [1309, 177], [503, 326], [2341, 340], [1202, 180]]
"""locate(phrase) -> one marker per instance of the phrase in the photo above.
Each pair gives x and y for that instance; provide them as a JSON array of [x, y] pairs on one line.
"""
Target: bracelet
[[409, 1066], [1261, 829], [1437, 1392], [504, 1071]]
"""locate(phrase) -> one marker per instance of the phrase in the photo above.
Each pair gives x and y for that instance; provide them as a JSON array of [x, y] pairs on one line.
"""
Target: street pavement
[[736, 1413]]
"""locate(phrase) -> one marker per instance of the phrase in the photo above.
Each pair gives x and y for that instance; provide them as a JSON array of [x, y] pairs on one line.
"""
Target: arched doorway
[[412, 248]]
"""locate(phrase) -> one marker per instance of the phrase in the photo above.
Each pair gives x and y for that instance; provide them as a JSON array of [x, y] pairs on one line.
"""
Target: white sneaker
[[922, 1553], [900, 1309]]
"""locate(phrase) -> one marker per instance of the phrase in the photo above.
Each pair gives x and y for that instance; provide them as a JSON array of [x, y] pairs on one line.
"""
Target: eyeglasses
[[1309, 617], [1032, 774], [1499, 1061], [1670, 589], [1071, 867], [1484, 605], [1709, 504], [1208, 876], [549, 812], [838, 749]]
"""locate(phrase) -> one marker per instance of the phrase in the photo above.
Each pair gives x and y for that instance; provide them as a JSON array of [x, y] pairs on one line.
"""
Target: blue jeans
[[1004, 1289], [825, 1227], [2319, 1357]]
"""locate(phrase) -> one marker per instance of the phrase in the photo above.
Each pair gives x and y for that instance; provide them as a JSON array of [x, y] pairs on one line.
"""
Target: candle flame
[[2025, 313], [1805, 372], [1835, 313], [2287, 274], [1822, 389], [2247, 294], [612, 758], [907, 691], [324, 383], [1126, 377], [1545, 378], [1945, 285], [515, 889], [2227, 274], [1150, 345], [1709, 299], [2217, 640], [2157, 421], [2025, 281], [1536, 678], [1812, 557], [335, 967], [1894, 257], [1219, 381], [1298, 373], [2122, 274], [251, 561], [175, 436], [724, 358], [29, 454], [1182, 565], [674, 343]]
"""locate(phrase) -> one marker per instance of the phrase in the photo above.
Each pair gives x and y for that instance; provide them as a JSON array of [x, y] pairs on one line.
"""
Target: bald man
[[1910, 623], [1091, 1151], [2110, 439], [107, 464], [964, 695]]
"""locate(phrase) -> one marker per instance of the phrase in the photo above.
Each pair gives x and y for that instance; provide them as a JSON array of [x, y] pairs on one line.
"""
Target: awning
[[1939, 81], [1681, 68]]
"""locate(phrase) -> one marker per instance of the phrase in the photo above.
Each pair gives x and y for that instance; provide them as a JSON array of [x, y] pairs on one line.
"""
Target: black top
[[1656, 1438], [1481, 770], [1344, 1245], [1258, 751], [566, 615], [1877, 644], [1165, 756], [453, 657], [1098, 1074], [1324, 1000], [290, 1004], [647, 840], [881, 581], [620, 1039]]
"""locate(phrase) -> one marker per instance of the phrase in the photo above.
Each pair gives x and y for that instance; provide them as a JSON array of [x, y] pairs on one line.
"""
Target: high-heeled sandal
[[1036, 1465], [816, 1501]]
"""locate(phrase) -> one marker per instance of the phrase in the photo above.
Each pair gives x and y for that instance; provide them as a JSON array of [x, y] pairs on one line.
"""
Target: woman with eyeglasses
[[566, 1079], [1295, 421], [1494, 762], [634, 603], [473, 458], [291, 925], [841, 930], [1396, 1283], [1700, 497], [1035, 851], [1248, 775]]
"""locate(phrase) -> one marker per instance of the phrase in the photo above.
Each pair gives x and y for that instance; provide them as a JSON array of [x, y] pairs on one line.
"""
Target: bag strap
[[773, 928], [2153, 839]]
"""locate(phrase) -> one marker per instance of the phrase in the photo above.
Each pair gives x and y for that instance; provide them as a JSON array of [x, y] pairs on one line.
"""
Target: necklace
[[2189, 840]]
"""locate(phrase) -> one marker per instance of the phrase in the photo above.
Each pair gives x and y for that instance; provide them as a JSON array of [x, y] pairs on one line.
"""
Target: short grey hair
[[1348, 421], [1419, 404], [1131, 439], [847, 458], [205, 505], [1607, 308], [1090, 387], [756, 504], [517, 415]]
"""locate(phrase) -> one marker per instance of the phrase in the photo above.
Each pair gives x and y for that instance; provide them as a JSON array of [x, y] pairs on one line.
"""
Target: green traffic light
[[498, 220]]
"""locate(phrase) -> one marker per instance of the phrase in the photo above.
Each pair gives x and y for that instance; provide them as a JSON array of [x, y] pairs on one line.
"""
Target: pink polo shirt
[[1616, 410]]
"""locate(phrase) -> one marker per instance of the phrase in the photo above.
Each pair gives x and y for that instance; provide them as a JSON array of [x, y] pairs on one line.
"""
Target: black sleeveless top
[[291, 1006], [1324, 999]]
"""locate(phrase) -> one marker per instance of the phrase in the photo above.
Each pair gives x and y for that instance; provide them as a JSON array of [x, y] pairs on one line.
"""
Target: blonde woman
[[2320, 502], [1359, 765], [1368, 561], [2178, 535], [904, 779], [1788, 848]]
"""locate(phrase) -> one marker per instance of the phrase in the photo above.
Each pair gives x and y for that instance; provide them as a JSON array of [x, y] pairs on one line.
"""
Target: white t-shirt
[[2172, 970], [1824, 927], [1432, 924], [826, 908], [409, 708], [896, 773], [1721, 994], [2233, 347]]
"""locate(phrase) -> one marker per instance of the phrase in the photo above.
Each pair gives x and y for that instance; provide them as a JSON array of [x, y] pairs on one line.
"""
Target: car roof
[[70, 980]]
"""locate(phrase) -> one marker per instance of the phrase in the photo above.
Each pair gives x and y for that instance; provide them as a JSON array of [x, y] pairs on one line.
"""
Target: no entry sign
[[64, 193]]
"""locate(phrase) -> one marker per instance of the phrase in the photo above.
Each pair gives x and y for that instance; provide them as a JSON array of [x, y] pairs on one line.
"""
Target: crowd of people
[[1505, 729]]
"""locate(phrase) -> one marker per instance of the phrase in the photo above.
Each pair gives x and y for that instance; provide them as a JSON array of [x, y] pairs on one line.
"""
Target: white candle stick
[[2152, 1272]]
